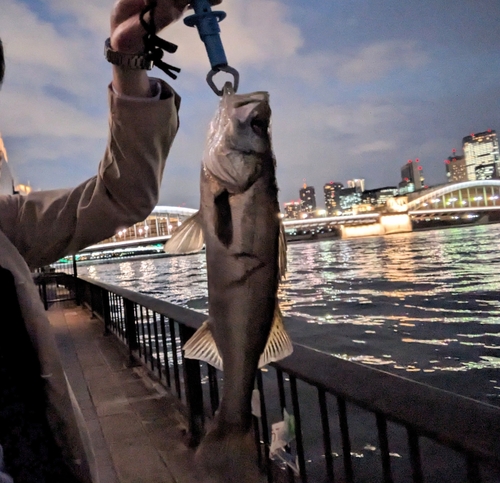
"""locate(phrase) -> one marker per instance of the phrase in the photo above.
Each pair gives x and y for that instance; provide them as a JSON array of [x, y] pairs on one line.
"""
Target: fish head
[[239, 140]]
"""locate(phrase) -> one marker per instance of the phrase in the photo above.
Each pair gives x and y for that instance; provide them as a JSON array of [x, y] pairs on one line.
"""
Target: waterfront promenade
[[137, 428]]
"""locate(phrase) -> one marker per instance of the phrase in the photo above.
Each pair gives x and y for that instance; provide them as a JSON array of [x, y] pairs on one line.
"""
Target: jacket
[[41, 227]]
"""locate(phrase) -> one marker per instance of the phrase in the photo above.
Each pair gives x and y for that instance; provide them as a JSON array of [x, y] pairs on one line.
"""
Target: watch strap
[[140, 61]]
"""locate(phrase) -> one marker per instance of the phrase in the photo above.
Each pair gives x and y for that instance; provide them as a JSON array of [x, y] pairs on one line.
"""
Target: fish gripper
[[207, 23]]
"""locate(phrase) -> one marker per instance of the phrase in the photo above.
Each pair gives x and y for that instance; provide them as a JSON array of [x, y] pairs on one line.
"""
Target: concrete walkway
[[137, 428]]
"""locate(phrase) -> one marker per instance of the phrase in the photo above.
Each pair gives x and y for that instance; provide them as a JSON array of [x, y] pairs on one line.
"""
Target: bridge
[[449, 204]]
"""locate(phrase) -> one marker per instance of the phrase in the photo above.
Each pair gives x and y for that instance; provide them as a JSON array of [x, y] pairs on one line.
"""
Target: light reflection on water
[[423, 303]]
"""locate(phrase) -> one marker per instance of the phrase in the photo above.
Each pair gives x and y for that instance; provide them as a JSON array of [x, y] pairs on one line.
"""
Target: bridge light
[[464, 202], [425, 204], [453, 200], [494, 197], [436, 200]]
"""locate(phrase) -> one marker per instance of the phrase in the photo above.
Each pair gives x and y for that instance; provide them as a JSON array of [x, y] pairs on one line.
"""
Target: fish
[[240, 226]]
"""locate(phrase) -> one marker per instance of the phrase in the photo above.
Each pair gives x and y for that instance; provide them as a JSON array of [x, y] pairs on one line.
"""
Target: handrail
[[154, 331], [465, 423]]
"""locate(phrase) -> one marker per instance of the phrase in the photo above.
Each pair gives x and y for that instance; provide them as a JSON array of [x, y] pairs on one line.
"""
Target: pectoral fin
[[188, 238], [202, 346], [278, 344]]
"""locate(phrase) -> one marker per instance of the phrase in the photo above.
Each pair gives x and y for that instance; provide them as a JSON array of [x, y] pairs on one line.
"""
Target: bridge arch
[[467, 194]]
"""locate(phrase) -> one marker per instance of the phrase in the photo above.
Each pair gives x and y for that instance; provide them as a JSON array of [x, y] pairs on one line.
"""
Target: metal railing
[[353, 423]]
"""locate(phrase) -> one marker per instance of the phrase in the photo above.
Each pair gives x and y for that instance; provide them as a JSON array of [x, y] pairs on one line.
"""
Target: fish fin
[[188, 238], [282, 252], [278, 344], [202, 346]]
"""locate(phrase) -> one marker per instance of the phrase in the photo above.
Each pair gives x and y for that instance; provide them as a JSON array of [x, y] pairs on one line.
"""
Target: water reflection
[[421, 303]]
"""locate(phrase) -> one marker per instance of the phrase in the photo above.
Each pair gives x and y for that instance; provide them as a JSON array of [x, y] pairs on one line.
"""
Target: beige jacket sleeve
[[45, 226]]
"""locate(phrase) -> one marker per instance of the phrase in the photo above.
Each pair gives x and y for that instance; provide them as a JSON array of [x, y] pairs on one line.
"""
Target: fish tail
[[225, 456]]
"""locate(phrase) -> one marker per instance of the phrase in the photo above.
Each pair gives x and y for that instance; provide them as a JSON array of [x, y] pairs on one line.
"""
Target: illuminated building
[[359, 184], [348, 198], [480, 149], [412, 177], [456, 172], [331, 191], [6, 179], [486, 171], [379, 196], [292, 209], [308, 199]]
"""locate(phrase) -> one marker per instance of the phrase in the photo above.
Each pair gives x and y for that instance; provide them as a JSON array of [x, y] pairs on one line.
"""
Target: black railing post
[[194, 392], [106, 312], [130, 328], [44, 293], [76, 282]]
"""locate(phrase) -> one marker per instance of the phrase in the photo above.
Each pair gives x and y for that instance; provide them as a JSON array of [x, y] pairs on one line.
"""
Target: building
[[293, 209], [6, 178], [308, 199], [486, 171], [480, 149], [378, 197], [359, 184], [348, 198], [331, 191], [456, 171], [412, 177]]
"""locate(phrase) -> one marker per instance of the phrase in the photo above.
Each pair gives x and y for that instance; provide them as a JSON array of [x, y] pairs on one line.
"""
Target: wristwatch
[[130, 61]]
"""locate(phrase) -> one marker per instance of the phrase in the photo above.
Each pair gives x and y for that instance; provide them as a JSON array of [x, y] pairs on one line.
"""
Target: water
[[425, 305]]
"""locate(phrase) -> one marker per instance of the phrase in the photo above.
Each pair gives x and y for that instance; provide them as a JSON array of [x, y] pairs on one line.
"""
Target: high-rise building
[[331, 191], [379, 196], [359, 184], [308, 199], [348, 198], [486, 171], [292, 209], [456, 171], [412, 177], [480, 149], [6, 179]]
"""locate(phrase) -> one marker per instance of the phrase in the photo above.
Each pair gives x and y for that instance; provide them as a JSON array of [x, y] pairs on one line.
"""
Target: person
[[42, 432]]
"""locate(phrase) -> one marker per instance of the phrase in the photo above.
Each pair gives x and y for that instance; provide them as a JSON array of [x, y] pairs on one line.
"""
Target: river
[[424, 305]]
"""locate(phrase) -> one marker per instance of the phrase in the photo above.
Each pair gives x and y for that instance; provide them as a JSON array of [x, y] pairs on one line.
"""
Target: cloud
[[32, 41], [380, 59], [255, 32], [373, 147]]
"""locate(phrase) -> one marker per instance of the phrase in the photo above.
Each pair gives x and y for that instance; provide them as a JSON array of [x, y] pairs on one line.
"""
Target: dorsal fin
[[188, 238]]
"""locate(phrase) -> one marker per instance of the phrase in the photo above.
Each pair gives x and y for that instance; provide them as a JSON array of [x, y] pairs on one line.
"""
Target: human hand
[[126, 30]]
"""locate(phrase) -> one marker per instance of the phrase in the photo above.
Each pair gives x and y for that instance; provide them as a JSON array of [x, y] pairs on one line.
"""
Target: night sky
[[357, 87]]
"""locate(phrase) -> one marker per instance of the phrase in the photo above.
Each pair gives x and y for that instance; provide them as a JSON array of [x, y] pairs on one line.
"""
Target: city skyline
[[356, 88], [416, 167]]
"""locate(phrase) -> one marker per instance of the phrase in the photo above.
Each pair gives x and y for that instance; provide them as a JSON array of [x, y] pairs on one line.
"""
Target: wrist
[[125, 60]]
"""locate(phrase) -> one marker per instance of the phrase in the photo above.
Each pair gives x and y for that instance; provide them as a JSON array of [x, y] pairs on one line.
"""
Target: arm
[[47, 225], [44, 226]]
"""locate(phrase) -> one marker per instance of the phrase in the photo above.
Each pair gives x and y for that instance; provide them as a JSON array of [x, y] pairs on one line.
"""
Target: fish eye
[[259, 126]]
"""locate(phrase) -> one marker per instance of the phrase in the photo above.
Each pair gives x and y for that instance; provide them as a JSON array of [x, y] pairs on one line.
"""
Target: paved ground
[[137, 428]]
